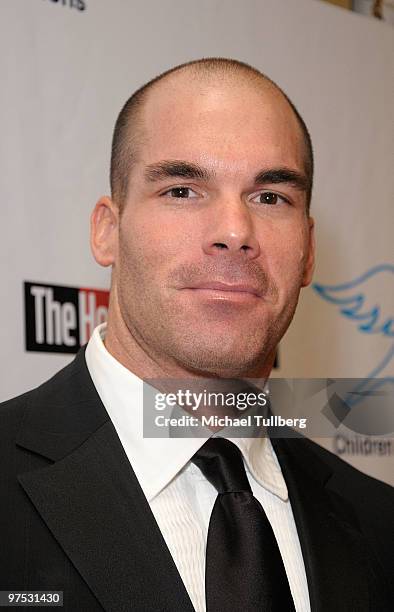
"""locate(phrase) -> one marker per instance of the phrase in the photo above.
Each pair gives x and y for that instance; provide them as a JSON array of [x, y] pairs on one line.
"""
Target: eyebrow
[[181, 169], [175, 168], [282, 175]]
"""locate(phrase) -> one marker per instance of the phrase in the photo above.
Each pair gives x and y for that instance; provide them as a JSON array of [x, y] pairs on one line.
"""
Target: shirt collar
[[156, 461]]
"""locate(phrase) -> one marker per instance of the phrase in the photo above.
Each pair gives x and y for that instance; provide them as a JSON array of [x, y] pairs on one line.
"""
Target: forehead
[[229, 123]]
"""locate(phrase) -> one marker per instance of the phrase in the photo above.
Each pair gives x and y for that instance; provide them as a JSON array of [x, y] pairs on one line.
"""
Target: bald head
[[202, 75]]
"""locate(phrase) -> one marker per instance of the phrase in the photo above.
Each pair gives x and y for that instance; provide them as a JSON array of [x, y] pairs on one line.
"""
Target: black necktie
[[244, 568]]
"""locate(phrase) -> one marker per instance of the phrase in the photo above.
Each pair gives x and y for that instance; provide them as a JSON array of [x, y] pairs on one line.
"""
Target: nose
[[230, 229]]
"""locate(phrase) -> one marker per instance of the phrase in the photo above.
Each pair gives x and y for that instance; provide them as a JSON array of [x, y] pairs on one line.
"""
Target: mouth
[[240, 292]]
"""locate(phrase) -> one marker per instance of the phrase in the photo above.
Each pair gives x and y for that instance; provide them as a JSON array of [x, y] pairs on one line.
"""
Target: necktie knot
[[221, 463]]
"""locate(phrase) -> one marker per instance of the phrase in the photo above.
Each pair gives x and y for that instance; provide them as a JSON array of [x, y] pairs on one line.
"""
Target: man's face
[[212, 251]]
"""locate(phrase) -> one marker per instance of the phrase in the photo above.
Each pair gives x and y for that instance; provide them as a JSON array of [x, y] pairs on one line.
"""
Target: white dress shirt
[[180, 497]]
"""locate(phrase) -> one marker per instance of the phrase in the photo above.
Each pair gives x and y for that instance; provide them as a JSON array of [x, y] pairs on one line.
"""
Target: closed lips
[[239, 288]]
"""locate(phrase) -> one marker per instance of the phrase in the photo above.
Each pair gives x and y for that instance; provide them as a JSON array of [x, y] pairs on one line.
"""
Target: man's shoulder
[[310, 461], [337, 493], [13, 410], [347, 479]]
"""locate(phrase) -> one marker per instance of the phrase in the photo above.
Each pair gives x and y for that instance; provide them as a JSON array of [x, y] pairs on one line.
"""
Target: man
[[210, 240]]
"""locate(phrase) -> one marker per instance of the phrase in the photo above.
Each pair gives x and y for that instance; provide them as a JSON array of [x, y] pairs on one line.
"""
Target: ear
[[104, 231], [310, 261]]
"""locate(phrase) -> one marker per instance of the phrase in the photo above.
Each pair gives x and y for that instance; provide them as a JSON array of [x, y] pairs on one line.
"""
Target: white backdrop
[[66, 72]]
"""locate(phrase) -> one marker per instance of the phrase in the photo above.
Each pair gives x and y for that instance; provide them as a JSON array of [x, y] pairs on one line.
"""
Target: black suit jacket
[[73, 516]]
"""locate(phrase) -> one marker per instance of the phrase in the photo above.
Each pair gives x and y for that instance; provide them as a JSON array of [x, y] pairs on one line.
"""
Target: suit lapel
[[337, 560], [91, 500]]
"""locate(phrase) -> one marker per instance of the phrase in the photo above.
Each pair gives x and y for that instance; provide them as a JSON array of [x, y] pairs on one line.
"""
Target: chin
[[215, 361]]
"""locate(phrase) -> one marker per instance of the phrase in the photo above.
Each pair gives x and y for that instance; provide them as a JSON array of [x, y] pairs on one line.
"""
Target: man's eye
[[270, 198], [181, 192]]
